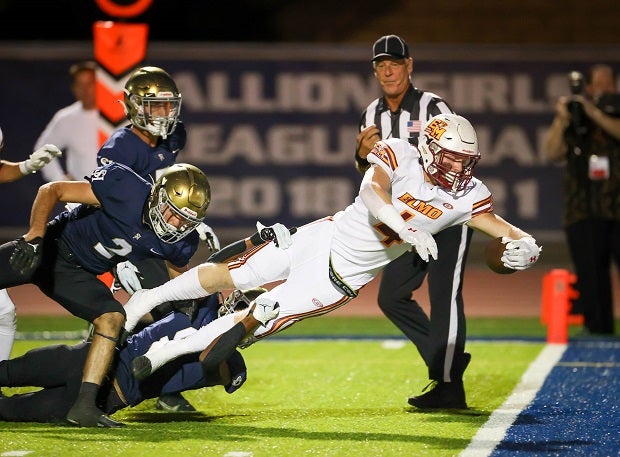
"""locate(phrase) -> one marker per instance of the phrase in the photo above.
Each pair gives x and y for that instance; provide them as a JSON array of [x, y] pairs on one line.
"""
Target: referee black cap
[[390, 46]]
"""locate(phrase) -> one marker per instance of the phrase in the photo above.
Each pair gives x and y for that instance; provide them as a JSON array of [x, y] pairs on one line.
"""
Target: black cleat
[[174, 403], [141, 367], [91, 417], [443, 395]]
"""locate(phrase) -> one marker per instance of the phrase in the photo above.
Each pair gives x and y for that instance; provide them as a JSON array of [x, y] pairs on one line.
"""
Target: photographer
[[585, 136]]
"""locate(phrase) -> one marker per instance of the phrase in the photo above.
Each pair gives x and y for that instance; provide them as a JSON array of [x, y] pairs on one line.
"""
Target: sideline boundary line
[[493, 431]]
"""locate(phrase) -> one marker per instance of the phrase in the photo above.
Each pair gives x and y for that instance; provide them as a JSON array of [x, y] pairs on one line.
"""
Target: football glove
[[27, 255], [207, 235], [521, 254], [129, 276], [422, 241], [39, 158], [277, 233]]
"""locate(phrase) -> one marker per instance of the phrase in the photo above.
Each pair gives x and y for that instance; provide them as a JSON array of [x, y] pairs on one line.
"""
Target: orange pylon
[[557, 294]]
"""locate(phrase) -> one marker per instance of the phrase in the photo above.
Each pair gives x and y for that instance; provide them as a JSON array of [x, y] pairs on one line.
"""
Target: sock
[[184, 287], [223, 348], [8, 325]]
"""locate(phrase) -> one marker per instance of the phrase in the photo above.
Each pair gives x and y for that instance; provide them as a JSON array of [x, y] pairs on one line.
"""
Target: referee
[[440, 339]]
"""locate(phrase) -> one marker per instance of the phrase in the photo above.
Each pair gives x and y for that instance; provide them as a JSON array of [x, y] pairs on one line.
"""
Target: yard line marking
[[493, 431]]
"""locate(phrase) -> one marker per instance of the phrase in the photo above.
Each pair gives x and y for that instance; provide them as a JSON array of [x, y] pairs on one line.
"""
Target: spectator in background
[[585, 137], [399, 113], [74, 128]]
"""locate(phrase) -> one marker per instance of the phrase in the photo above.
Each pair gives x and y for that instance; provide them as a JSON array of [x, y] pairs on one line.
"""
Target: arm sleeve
[[370, 198]]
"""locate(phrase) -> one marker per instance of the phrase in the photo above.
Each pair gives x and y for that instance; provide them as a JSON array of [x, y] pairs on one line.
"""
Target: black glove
[[27, 255]]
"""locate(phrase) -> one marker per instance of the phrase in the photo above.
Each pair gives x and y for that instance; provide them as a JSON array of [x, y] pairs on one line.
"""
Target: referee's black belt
[[339, 283]]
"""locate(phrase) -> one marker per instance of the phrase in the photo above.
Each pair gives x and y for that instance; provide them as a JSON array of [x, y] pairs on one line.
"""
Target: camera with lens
[[580, 123]]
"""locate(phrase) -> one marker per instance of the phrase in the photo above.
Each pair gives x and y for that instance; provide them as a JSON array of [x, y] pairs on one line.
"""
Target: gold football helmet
[[178, 202], [152, 101]]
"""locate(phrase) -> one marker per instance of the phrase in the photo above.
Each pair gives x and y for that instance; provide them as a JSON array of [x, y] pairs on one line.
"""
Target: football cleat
[[175, 403], [443, 395], [91, 416]]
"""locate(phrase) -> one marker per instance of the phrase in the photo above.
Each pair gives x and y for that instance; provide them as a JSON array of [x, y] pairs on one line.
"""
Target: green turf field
[[323, 398]]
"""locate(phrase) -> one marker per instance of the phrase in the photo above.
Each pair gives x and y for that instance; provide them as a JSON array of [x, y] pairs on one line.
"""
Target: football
[[493, 256]]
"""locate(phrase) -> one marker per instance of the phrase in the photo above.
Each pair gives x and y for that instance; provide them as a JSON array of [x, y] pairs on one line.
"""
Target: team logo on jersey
[[436, 129], [160, 156], [137, 236], [98, 175], [385, 153], [420, 206]]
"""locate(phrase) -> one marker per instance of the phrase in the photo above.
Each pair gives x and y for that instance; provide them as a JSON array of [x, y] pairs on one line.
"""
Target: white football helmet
[[449, 139]]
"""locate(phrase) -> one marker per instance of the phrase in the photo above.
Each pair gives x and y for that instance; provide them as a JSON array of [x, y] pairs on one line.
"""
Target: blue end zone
[[577, 410]]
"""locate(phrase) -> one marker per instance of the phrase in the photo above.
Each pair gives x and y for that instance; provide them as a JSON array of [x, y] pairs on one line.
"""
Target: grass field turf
[[324, 398]]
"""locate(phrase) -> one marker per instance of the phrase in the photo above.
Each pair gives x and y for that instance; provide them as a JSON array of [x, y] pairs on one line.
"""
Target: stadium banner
[[274, 127]]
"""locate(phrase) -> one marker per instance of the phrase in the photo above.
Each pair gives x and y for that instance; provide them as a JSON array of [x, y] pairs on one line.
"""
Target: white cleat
[[136, 307], [265, 309], [160, 353]]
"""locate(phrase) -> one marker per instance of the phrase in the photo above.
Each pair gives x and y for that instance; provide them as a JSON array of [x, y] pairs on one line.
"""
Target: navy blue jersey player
[[146, 155], [155, 135], [57, 370], [148, 145], [122, 216]]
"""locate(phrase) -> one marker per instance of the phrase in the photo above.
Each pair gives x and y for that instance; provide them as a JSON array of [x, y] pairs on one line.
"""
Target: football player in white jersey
[[406, 196]]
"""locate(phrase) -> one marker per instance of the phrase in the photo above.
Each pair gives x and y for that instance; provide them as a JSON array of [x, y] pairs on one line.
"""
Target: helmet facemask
[[449, 151], [440, 168], [157, 115], [239, 300], [152, 101]]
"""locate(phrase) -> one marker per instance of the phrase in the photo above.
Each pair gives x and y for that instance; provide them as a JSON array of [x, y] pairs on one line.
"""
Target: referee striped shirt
[[415, 109]]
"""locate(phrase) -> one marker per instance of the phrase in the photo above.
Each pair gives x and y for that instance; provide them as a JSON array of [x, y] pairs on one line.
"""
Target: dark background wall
[[362, 21]]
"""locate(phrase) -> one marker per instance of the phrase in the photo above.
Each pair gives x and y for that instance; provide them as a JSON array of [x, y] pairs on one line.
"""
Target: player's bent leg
[[84, 412], [163, 351]]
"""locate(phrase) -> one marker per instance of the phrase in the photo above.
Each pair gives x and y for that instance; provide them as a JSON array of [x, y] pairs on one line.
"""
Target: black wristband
[[232, 250], [256, 239]]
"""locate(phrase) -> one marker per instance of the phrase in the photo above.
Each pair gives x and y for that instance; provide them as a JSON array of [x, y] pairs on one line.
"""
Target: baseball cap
[[390, 46]]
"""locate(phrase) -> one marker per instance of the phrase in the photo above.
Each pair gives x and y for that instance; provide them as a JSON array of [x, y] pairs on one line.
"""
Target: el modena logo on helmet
[[436, 129]]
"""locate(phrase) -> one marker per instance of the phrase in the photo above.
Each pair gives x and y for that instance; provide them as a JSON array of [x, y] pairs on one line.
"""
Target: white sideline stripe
[[493, 431]]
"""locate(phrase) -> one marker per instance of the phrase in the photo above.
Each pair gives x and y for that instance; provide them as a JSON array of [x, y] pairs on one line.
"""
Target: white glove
[[129, 276], [207, 235], [422, 241], [277, 233], [39, 158], [521, 254]]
